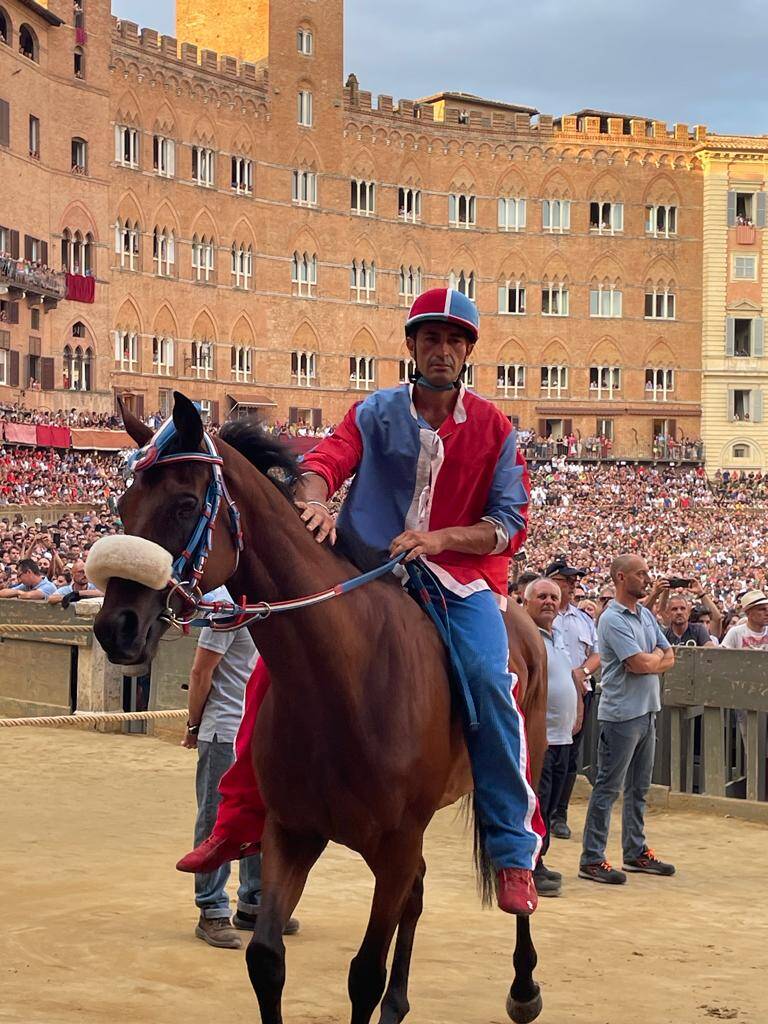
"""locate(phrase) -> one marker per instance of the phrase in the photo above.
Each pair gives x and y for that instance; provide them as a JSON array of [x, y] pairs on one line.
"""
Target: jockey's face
[[440, 351]]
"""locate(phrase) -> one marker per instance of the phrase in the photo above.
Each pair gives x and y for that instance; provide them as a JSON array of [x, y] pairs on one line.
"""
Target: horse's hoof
[[524, 1013]]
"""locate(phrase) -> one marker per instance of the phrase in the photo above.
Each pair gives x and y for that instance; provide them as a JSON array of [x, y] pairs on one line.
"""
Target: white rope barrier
[[81, 719]]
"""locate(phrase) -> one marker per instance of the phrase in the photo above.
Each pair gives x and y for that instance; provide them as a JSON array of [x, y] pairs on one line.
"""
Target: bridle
[[221, 616]]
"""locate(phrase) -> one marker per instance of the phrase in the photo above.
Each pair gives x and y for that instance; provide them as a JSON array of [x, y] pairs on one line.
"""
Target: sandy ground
[[98, 926]]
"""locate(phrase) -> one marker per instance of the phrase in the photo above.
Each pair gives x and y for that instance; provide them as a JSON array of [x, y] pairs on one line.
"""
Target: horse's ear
[[187, 421], [136, 430]]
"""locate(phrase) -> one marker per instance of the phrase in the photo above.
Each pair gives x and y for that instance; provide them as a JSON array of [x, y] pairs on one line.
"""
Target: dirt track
[[98, 927]]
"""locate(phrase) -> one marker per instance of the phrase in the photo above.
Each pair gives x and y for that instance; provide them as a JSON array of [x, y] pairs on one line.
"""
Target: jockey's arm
[[480, 539], [310, 498]]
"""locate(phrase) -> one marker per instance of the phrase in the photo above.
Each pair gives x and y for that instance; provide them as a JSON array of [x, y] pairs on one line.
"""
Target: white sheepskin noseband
[[128, 558]]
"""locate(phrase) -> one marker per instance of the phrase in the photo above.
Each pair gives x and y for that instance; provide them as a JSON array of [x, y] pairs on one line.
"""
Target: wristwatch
[[193, 730]]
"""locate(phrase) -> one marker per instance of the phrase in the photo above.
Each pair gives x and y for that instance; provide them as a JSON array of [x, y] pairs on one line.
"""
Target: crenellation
[[385, 104], [128, 30], [248, 71], [521, 123], [638, 128], [615, 125], [545, 124], [592, 125], [364, 99], [189, 54], [169, 46], [149, 38], [228, 65], [680, 132], [660, 130], [209, 60]]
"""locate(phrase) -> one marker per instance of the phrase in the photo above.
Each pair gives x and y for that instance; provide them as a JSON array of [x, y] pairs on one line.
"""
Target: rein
[[221, 616]]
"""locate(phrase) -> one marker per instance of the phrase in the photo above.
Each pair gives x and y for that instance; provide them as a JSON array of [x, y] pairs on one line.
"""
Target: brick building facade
[[257, 228]]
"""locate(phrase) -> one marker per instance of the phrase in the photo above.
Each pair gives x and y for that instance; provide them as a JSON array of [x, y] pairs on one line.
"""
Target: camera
[[677, 581]]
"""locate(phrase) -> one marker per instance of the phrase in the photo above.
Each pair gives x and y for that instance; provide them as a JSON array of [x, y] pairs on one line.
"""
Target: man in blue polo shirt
[[633, 651], [32, 585]]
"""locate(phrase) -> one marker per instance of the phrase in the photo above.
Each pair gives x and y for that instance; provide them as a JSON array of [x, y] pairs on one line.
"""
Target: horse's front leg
[[396, 862], [287, 861], [524, 1001], [395, 1005]]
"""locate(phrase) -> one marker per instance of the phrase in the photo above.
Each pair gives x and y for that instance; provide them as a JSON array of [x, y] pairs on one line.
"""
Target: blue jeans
[[213, 759], [625, 753], [497, 749]]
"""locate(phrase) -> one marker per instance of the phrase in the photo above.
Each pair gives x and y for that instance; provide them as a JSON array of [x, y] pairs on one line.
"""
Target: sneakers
[[548, 883], [559, 829], [218, 931], [247, 922], [602, 872], [648, 864], [516, 891], [213, 852]]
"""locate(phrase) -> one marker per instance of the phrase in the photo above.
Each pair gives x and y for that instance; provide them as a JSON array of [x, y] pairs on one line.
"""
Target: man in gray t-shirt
[[633, 651], [222, 666]]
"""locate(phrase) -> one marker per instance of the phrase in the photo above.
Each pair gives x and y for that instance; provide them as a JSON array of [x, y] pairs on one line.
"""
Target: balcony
[[745, 234], [20, 277]]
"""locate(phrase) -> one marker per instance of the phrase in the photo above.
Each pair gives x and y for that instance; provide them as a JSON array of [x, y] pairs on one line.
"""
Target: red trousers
[[241, 810]]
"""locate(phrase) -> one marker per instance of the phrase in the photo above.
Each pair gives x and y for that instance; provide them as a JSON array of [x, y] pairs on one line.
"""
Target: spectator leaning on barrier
[[564, 710], [575, 631], [222, 666], [80, 586], [32, 585], [633, 651]]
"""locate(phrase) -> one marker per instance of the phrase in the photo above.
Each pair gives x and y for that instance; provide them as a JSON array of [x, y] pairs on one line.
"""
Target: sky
[[690, 61]]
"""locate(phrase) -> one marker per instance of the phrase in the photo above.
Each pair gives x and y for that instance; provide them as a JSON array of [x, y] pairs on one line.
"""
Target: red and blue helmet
[[448, 306]]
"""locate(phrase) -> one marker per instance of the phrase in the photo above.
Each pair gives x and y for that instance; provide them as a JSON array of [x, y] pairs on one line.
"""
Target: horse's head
[[163, 505]]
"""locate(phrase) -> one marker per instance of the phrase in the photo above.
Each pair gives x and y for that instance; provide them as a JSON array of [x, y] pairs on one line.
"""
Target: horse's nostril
[[126, 627]]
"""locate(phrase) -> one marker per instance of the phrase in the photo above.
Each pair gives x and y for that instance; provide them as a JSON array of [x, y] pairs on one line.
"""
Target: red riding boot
[[517, 892]]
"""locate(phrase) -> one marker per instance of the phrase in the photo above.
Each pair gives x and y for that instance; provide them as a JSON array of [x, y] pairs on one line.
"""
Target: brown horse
[[357, 742]]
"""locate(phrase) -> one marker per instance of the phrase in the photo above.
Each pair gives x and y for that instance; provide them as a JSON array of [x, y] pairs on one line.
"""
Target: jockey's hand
[[417, 543], [318, 520]]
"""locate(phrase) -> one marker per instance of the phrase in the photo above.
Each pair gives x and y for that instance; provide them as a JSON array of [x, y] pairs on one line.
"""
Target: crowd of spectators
[[712, 530], [32, 273], [573, 446], [63, 418]]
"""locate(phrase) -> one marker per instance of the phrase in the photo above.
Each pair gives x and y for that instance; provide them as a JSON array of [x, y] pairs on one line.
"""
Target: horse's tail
[[486, 875]]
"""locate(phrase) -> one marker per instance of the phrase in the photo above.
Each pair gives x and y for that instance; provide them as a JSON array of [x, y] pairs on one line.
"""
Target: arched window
[[242, 265], [162, 356], [410, 283], [163, 251], [201, 362], [241, 363], [202, 257], [67, 373], [78, 364], [127, 236], [28, 46], [305, 42], [741, 451], [5, 27], [127, 350], [79, 62], [462, 282], [362, 280], [304, 273]]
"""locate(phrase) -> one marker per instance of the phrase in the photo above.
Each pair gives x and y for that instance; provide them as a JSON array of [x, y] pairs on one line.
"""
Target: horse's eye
[[186, 508]]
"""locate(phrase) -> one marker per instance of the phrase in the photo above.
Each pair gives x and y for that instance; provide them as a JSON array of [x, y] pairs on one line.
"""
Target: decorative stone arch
[[512, 183], [29, 44], [129, 208], [555, 353], [659, 354], [661, 190], [511, 351], [305, 338], [362, 165], [557, 185], [243, 232], [165, 121], [606, 268], [6, 27], [204, 326], [128, 110], [128, 317], [412, 255], [555, 269], [514, 266], [243, 142], [410, 175], [306, 241], [606, 188], [364, 343], [165, 323], [660, 273], [204, 223], [243, 331], [605, 352], [307, 156], [462, 179], [363, 248], [203, 133], [76, 217]]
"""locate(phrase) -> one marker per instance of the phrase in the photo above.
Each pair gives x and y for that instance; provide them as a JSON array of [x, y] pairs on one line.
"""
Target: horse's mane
[[268, 454]]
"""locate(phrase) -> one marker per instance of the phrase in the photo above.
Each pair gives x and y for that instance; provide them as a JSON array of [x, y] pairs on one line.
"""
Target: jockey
[[437, 476]]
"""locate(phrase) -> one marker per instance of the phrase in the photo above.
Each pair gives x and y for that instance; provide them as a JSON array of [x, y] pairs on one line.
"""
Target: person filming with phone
[[675, 609]]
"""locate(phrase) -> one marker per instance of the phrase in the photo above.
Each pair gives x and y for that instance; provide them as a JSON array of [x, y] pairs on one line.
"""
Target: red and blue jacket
[[408, 476]]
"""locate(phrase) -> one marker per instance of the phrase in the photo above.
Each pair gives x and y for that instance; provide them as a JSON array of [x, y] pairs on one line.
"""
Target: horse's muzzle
[[130, 623]]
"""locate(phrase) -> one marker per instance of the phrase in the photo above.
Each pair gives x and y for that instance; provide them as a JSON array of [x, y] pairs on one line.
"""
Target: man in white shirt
[[564, 704], [751, 635]]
